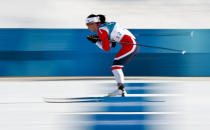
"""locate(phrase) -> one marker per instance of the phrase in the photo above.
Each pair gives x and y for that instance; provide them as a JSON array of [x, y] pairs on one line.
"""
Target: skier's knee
[[116, 67]]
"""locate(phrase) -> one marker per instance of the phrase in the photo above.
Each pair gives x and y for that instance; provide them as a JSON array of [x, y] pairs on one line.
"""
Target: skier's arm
[[103, 35]]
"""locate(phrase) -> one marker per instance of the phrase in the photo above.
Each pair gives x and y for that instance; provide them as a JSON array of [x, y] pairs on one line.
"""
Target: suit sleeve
[[103, 35]]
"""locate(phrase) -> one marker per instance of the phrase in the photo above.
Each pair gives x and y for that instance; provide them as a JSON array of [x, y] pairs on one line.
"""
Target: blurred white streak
[[129, 13]]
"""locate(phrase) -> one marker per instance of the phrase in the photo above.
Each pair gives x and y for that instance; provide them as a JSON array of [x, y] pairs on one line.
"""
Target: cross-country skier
[[108, 34]]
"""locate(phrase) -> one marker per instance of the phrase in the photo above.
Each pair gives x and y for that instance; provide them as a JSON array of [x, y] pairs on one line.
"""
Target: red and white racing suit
[[113, 32]]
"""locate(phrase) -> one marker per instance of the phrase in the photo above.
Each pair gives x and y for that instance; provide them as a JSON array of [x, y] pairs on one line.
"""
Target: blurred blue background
[[66, 52]]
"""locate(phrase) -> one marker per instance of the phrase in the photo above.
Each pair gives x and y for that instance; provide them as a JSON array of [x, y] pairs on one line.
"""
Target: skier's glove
[[113, 44], [93, 38]]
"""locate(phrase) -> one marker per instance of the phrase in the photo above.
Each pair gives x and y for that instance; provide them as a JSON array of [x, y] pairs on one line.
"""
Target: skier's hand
[[113, 44], [93, 38]]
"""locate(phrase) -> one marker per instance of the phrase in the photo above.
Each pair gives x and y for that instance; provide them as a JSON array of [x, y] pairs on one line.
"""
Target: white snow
[[22, 106]]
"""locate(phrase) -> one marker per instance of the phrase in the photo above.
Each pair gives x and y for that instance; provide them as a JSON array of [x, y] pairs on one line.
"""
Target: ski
[[130, 98]]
